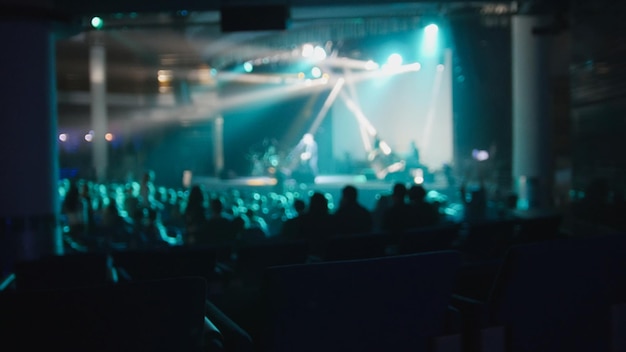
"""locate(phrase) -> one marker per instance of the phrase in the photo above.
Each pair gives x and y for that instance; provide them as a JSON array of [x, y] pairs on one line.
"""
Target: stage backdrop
[[413, 106]]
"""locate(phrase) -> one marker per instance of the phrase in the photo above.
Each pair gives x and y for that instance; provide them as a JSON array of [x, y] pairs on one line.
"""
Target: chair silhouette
[[539, 228], [385, 304], [362, 246], [66, 271], [253, 258], [428, 239], [554, 296], [163, 264], [165, 315], [488, 239]]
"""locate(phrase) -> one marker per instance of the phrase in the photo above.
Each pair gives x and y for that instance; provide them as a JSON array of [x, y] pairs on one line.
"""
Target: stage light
[[109, 137], [316, 72], [319, 53], [371, 65], [63, 137], [97, 22], [429, 41], [248, 67], [164, 76], [431, 29], [395, 60], [89, 137], [307, 50], [480, 155]]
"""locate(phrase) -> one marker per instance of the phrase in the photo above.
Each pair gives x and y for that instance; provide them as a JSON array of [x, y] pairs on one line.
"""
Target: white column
[[218, 144], [99, 123], [29, 200], [532, 119]]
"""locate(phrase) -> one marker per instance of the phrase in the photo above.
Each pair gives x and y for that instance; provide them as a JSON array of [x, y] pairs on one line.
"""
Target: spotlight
[[394, 60], [430, 39], [89, 137], [97, 22], [480, 155], [316, 72], [109, 137], [63, 137], [307, 50], [248, 67], [431, 29], [371, 65], [319, 53]]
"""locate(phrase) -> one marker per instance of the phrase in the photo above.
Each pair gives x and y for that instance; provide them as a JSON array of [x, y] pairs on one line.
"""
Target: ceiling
[[190, 44]]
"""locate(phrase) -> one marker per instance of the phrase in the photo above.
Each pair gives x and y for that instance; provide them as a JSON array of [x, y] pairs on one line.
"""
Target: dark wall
[[598, 78], [598, 93], [482, 90]]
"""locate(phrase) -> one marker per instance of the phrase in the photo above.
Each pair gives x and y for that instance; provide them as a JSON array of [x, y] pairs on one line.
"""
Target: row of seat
[[550, 295], [247, 261]]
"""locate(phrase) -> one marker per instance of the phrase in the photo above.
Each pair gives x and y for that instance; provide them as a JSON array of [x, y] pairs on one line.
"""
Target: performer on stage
[[383, 160], [304, 159], [308, 156]]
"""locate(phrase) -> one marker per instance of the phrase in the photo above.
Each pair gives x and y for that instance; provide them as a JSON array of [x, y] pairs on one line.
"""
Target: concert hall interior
[[289, 153]]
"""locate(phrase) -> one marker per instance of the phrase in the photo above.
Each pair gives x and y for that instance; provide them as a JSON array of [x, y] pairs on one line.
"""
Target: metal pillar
[[532, 119], [99, 121]]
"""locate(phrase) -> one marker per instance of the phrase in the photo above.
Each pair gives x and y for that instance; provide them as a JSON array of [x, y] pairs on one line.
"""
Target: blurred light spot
[[371, 65], [307, 50], [316, 72], [394, 60], [97, 22], [431, 29], [319, 53]]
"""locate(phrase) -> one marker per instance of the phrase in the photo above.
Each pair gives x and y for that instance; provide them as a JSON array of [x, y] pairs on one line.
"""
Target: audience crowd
[[143, 215]]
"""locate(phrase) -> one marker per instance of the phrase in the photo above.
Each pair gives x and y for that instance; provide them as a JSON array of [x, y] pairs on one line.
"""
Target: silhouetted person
[[396, 218], [115, 227], [291, 227], [423, 213], [75, 209], [475, 202], [352, 217], [219, 229], [195, 214], [316, 225]]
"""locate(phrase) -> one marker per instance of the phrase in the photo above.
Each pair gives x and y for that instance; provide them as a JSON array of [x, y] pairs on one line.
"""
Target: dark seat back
[[539, 228], [67, 271], [362, 246], [253, 258], [172, 263], [489, 239], [386, 304], [428, 239], [554, 296], [149, 316]]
